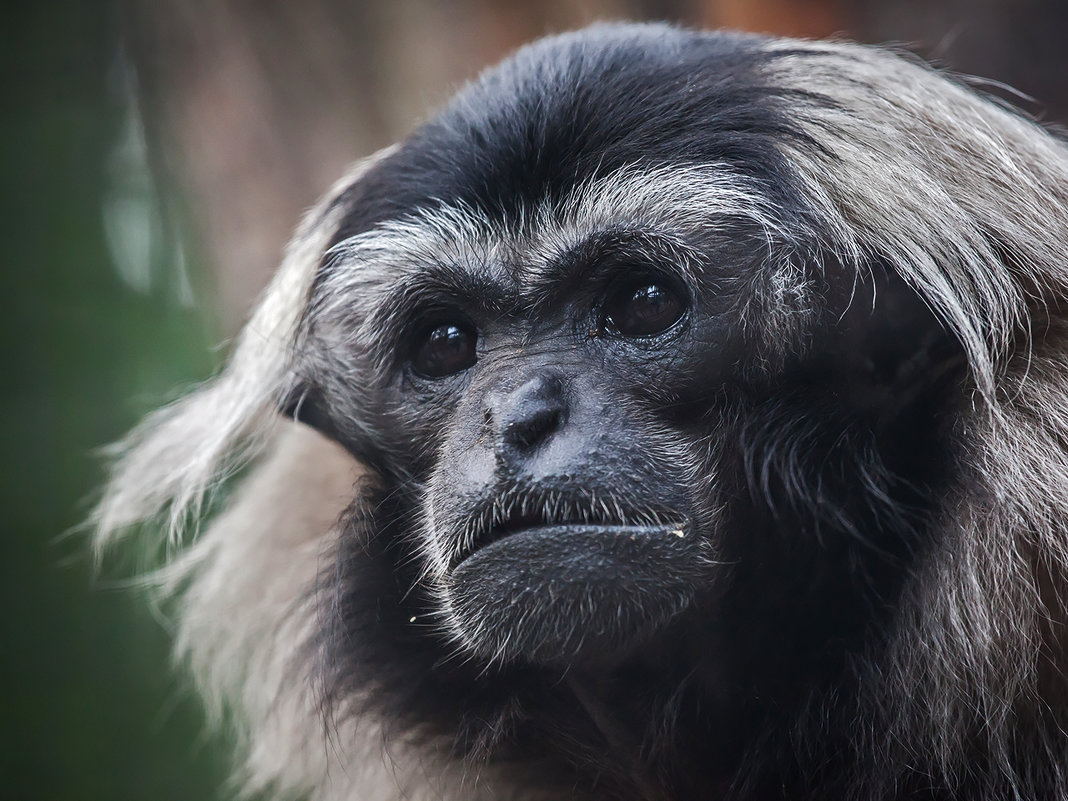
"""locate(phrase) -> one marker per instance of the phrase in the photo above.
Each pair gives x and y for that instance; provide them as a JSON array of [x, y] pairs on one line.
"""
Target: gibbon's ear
[[172, 460], [889, 349], [304, 404]]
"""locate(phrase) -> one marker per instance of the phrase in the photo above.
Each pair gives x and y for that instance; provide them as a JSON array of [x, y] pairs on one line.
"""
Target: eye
[[444, 349], [643, 308]]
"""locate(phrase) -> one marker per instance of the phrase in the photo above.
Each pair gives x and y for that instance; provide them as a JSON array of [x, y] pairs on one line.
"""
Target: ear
[[893, 347], [169, 463], [305, 404]]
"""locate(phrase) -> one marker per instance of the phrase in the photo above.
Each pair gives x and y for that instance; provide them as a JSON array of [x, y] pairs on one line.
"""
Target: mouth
[[529, 516]]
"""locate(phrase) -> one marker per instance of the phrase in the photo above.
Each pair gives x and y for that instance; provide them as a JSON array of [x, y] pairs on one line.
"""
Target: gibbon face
[[562, 342]]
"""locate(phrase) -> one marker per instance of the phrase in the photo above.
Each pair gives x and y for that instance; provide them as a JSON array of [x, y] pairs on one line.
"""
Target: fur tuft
[[169, 464]]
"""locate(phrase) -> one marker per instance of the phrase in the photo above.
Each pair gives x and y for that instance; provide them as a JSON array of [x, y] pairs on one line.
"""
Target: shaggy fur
[[895, 555]]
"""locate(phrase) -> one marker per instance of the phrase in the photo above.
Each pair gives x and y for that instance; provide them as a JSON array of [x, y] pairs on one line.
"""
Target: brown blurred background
[[154, 156]]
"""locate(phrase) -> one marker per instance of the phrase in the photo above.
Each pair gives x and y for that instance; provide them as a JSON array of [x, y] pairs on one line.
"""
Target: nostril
[[528, 431], [527, 415]]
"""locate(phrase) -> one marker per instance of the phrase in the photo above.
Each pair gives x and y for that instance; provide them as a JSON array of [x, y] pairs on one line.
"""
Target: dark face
[[559, 517], [548, 429], [609, 395]]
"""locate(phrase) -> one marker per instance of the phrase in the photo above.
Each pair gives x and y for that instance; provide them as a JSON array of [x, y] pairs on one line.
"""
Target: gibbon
[[674, 415]]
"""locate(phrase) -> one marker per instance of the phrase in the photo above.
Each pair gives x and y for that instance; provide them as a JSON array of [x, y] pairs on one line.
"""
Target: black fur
[[568, 108]]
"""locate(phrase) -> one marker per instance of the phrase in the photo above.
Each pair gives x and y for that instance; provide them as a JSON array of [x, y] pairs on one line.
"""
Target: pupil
[[447, 349], [446, 337], [644, 310], [650, 301]]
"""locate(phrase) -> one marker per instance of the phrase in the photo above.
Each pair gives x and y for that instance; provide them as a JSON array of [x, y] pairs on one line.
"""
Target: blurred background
[[155, 156]]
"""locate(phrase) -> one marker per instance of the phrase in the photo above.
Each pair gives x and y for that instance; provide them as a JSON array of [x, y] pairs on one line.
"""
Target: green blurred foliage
[[91, 709]]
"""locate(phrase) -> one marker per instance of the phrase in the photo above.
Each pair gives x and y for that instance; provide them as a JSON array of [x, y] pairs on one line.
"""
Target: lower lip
[[604, 536]]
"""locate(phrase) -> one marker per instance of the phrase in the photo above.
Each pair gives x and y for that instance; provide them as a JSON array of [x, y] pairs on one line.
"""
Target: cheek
[[463, 463], [421, 430]]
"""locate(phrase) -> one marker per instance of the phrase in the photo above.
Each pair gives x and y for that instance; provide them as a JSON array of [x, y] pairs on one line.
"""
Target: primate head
[[690, 423]]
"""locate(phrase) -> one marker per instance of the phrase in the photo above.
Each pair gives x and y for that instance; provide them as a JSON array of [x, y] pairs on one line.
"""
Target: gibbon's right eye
[[643, 308], [445, 348]]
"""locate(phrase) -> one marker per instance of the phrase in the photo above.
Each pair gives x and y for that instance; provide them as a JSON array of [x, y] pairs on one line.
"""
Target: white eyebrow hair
[[670, 201]]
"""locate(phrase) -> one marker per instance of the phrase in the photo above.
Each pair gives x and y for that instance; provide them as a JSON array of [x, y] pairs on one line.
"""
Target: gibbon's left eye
[[444, 349], [643, 308]]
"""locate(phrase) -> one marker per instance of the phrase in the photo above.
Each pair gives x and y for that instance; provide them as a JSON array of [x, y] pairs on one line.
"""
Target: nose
[[529, 415]]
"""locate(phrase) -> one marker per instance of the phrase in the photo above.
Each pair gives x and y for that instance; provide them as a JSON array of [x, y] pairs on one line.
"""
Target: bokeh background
[[154, 156]]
